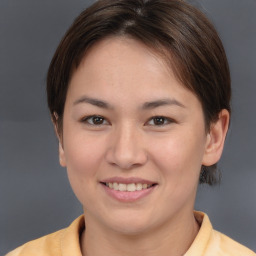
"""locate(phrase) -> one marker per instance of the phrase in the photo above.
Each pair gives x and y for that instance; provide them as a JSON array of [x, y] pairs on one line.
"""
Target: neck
[[173, 238]]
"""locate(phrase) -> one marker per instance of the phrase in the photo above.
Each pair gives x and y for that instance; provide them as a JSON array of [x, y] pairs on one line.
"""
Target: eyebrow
[[145, 106], [93, 101], [161, 102]]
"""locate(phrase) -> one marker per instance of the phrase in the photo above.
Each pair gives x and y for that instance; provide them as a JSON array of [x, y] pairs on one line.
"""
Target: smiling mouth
[[131, 187]]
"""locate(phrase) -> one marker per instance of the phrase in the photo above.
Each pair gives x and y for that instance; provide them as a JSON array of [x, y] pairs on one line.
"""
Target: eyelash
[[87, 118], [164, 120]]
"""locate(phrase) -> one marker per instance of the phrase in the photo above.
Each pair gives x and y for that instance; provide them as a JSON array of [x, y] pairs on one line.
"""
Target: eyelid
[[86, 118], [168, 119]]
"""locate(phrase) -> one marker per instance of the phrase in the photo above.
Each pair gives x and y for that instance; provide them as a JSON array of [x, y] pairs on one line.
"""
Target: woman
[[139, 94]]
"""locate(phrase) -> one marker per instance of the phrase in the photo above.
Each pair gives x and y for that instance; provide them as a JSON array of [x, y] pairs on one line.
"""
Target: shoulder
[[227, 246], [47, 245], [60, 243]]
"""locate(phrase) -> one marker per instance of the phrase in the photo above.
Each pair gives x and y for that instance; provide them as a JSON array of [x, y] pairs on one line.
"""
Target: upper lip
[[130, 180]]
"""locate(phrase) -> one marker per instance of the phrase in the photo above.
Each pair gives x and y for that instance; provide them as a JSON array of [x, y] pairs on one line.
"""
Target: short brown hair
[[172, 28]]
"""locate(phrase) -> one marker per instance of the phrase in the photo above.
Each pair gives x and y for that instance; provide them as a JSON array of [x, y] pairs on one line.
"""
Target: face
[[134, 138]]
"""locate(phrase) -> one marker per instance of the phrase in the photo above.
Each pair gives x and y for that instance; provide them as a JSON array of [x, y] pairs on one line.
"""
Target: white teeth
[[131, 187], [127, 187], [139, 186], [115, 186], [122, 187]]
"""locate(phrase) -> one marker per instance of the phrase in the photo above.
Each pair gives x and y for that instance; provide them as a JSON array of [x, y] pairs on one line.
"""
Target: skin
[[129, 142]]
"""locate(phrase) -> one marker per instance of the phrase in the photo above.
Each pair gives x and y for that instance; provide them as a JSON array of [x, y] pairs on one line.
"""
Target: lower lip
[[124, 196]]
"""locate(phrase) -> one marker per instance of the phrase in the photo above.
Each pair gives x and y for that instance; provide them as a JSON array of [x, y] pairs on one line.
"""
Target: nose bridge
[[126, 148]]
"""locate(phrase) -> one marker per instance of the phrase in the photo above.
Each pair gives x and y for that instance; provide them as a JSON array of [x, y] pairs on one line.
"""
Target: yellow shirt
[[65, 242]]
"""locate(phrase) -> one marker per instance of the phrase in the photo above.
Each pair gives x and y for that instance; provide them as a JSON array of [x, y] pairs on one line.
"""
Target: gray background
[[35, 197]]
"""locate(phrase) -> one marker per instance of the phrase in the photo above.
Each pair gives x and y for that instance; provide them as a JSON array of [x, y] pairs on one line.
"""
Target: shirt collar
[[203, 237], [70, 241]]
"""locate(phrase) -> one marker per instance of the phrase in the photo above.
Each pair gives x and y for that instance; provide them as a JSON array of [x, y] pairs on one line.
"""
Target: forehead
[[120, 56], [125, 72], [120, 51], [119, 60], [123, 49]]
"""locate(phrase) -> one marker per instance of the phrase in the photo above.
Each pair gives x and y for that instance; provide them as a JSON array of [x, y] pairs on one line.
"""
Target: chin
[[131, 224]]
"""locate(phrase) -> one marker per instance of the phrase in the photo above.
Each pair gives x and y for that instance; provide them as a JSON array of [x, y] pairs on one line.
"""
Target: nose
[[126, 148]]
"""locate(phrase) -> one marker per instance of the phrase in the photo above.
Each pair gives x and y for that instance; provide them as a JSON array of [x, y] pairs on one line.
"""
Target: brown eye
[[95, 120], [159, 121]]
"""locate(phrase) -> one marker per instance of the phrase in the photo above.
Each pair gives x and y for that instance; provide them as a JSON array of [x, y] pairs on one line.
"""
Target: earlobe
[[62, 158], [216, 138]]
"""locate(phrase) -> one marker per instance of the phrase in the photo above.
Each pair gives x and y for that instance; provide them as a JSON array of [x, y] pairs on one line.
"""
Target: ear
[[62, 158], [216, 138]]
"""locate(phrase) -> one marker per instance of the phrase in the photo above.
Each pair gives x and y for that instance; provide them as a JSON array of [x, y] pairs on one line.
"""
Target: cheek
[[179, 161], [179, 157], [83, 158], [83, 152]]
